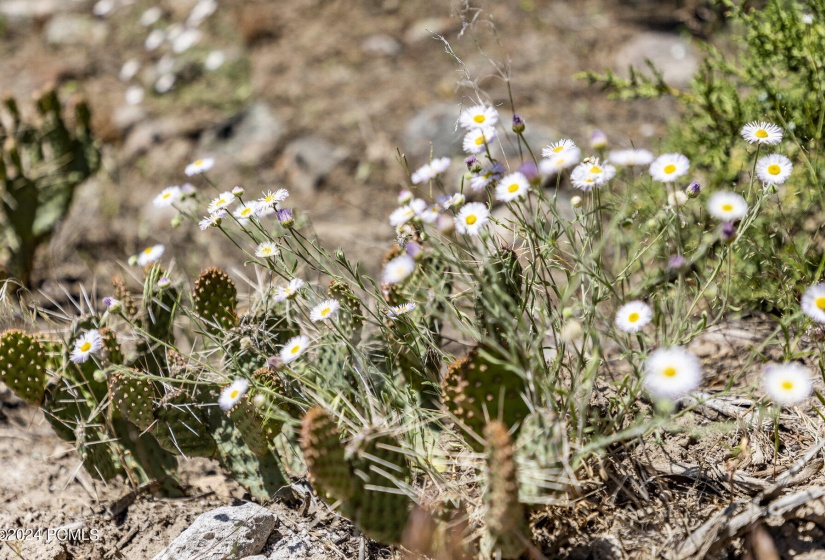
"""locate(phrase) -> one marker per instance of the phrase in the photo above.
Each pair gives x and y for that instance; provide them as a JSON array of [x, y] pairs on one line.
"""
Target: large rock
[[434, 125], [248, 138], [225, 533], [309, 159], [672, 55]]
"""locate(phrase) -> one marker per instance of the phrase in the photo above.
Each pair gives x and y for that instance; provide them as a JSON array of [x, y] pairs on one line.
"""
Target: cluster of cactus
[[41, 165], [132, 413]]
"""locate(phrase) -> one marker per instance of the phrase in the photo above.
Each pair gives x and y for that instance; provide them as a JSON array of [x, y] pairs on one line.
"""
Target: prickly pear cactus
[[23, 364], [501, 277], [478, 388], [99, 454], [350, 317], [41, 166], [182, 422], [124, 296], [134, 398], [216, 298], [508, 533], [324, 455], [381, 507]]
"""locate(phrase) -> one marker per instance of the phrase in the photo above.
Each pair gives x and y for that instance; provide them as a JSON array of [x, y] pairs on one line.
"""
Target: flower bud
[[728, 233], [404, 197], [598, 140], [238, 191], [693, 189], [678, 263], [576, 202], [518, 123], [285, 217]]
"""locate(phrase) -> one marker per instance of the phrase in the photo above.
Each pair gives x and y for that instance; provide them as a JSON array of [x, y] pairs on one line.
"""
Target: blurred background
[[319, 97]]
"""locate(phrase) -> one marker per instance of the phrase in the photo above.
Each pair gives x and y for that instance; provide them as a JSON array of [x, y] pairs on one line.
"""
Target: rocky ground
[[314, 96]]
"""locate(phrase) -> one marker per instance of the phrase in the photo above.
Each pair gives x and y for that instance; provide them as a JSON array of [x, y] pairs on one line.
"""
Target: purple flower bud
[[188, 189], [678, 263], [108, 301], [529, 170], [518, 123], [598, 140], [693, 189], [274, 363], [164, 282], [238, 191], [473, 164], [413, 249], [285, 217], [728, 233]]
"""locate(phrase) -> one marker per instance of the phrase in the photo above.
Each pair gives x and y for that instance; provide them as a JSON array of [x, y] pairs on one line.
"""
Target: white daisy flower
[[233, 394], [669, 167], [212, 220], [267, 249], [293, 348], [283, 293], [471, 218], [480, 181], [150, 254], [813, 302], [271, 199], [671, 373], [87, 344], [762, 133], [512, 186], [430, 171], [560, 161], [633, 316], [629, 158], [478, 117], [558, 148], [167, 197], [727, 206], [324, 310], [788, 384], [591, 173], [224, 200], [199, 166], [395, 312], [245, 211], [398, 269], [477, 138], [401, 216], [773, 169], [429, 215]]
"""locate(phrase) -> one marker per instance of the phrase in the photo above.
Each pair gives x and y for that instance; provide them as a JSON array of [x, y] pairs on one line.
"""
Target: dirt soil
[[351, 81]]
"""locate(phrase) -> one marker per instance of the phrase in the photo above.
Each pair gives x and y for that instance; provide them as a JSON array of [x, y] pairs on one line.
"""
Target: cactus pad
[[324, 454], [478, 388], [23, 363], [133, 398], [182, 423], [507, 529], [216, 297]]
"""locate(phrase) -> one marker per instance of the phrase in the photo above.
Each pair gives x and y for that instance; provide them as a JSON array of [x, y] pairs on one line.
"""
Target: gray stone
[[224, 533], [249, 138], [75, 29], [672, 55], [309, 159], [256, 557], [381, 45], [434, 125]]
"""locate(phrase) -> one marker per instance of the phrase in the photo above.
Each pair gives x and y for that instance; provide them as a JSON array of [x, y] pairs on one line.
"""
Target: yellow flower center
[[147, 251], [167, 195], [234, 394], [820, 302], [513, 188], [471, 219], [670, 169], [595, 169], [325, 311], [727, 208], [774, 169], [86, 346], [295, 349], [761, 133], [246, 211], [479, 119], [480, 140], [787, 385], [669, 371], [633, 317], [198, 163], [558, 149]]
